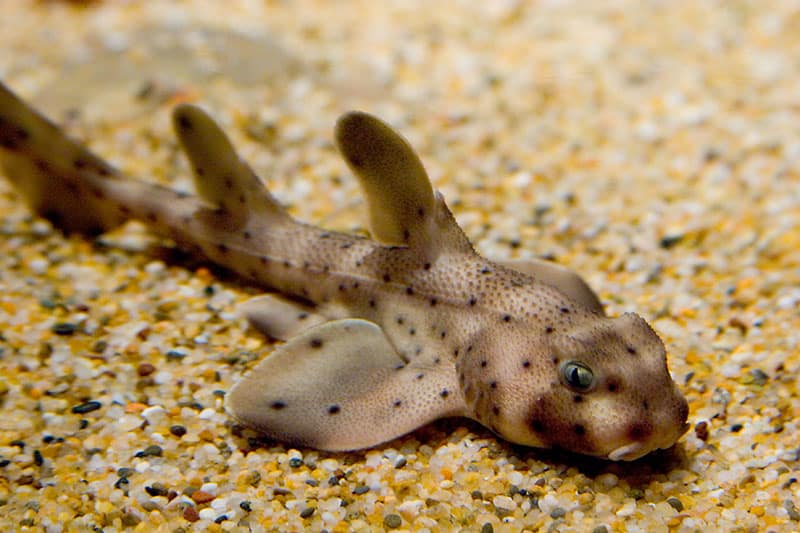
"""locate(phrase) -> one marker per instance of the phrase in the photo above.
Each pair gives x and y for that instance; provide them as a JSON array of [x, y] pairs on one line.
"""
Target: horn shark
[[383, 334]]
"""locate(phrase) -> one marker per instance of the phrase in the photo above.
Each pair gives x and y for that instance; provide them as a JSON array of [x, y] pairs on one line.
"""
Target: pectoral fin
[[279, 318], [559, 277], [342, 386]]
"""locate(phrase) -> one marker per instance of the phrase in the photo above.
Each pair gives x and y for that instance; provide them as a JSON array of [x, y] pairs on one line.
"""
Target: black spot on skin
[[631, 350], [356, 285], [316, 343], [42, 165], [445, 393], [333, 409], [263, 260], [506, 318], [473, 301], [577, 398], [421, 212], [455, 352], [564, 310], [493, 384], [426, 266], [412, 331], [526, 364], [645, 405], [325, 235], [400, 320], [435, 361], [397, 403], [433, 302], [409, 291], [97, 193], [469, 348], [556, 360], [242, 199], [184, 122], [152, 217], [401, 366], [228, 183], [222, 248], [484, 363], [579, 429], [346, 245], [103, 171], [406, 235], [286, 263], [372, 303], [277, 405], [247, 235], [612, 385], [420, 376], [486, 270], [537, 426], [549, 329], [79, 164], [356, 161], [496, 410], [302, 316], [359, 263], [443, 334], [640, 431], [306, 265], [326, 268], [342, 288], [199, 171]]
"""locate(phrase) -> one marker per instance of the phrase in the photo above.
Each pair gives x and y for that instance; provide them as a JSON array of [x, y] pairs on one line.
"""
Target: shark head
[[604, 391]]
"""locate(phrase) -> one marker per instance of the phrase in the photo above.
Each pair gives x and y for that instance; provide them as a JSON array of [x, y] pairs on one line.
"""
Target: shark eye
[[577, 375]]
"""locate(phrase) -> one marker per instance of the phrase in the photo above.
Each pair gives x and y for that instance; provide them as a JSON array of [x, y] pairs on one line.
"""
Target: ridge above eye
[[578, 376]]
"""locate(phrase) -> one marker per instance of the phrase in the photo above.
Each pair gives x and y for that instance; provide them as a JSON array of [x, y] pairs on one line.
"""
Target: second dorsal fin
[[221, 177], [403, 209]]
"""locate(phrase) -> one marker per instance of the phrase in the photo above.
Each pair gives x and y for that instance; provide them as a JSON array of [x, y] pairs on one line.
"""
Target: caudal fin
[[59, 178]]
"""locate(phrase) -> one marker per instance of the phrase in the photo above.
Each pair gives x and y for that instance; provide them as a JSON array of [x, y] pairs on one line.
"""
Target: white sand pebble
[[628, 508], [207, 514], [210, 488], [504, 502], [153, 414], [410, 509]]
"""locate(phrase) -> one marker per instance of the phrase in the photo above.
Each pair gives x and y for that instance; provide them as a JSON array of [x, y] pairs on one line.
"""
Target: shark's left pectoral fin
[[563, 279], [342, 386]]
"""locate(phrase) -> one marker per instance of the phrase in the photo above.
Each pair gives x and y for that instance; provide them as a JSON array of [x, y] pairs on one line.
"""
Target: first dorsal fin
[[398, 191], [403, 208], [222, 178]]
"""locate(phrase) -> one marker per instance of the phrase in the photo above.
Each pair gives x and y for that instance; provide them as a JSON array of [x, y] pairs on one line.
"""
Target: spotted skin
[[397, 330]]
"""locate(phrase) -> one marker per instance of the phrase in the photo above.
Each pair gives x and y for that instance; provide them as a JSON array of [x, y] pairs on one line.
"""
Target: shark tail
[[61, 180], [58, 177]]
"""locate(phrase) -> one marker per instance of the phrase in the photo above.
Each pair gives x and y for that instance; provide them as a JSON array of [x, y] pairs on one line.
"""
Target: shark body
[[386, 334]]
